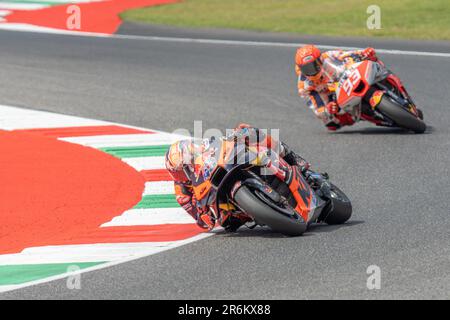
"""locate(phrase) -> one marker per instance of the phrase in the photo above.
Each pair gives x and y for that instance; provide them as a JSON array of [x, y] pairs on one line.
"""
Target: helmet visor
[[311, 69]]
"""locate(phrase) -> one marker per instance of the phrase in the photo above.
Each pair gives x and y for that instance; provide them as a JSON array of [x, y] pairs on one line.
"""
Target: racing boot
[[231, 222]]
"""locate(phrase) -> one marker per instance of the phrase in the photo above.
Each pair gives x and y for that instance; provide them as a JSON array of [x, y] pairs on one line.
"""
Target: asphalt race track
[[398, 182]]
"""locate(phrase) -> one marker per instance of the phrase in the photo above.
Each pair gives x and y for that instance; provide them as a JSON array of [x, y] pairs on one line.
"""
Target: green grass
[[410, 19]]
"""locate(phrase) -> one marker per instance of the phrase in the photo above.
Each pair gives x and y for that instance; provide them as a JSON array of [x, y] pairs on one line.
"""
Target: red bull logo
[[376, 98]]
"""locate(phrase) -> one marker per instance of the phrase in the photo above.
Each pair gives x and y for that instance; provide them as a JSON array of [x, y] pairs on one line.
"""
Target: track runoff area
[[80, 195], [84, 195]]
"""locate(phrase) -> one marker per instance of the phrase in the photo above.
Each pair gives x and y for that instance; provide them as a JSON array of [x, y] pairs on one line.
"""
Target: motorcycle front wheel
[[340, 207], [255, 206], [401, 116]]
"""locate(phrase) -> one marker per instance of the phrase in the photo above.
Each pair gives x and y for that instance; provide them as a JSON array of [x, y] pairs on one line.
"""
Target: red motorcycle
[[369, 91]]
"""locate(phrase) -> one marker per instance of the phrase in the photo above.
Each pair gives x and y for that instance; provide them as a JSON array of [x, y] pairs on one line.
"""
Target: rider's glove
[[243, 125], [332, 108], [205, 220], [369, 53]]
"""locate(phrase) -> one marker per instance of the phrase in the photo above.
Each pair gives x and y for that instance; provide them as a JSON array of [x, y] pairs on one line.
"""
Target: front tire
[[401, 116], [340, 207], [420, 113], [263, 214]]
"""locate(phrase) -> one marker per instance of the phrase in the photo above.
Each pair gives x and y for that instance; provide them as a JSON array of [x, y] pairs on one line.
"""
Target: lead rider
[[179, 162], [317, 72]]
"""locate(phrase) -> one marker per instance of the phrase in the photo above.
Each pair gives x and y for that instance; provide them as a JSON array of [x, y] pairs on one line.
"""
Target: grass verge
[[409, 19]]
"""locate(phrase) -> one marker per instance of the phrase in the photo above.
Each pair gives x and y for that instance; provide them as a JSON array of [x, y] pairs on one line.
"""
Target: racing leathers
[[318, 90], [184, 190]]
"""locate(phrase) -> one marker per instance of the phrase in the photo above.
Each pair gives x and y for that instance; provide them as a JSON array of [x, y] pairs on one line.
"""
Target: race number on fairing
[[351, 81]]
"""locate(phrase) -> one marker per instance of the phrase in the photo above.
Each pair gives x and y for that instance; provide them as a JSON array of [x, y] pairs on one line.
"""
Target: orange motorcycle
[[250, 181]]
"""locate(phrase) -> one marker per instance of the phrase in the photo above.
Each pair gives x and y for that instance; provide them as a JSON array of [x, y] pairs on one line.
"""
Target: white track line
[[16, 118], [31, 28], [150, 217], [21, 6], [122, 140], [145, 163], [101, 266], [159, 187], [83, 253], [12, 118], [273, 44]]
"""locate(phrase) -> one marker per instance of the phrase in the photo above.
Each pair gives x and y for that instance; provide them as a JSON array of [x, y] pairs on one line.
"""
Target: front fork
[[404, 99]]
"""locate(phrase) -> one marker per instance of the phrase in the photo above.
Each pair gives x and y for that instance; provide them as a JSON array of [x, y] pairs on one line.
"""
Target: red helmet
[[178, 158], [308, 60]]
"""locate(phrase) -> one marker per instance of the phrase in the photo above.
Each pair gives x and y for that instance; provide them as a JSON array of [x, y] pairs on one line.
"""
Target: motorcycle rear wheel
[[264, 214], [400, 116]]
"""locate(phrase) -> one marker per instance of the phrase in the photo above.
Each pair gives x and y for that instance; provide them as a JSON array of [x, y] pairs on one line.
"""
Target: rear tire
[[265, 215], [401, 116], [341, 207]]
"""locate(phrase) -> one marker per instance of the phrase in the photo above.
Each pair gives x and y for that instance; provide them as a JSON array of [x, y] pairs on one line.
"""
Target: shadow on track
[[320, 228], [265, 232], [382, 131]]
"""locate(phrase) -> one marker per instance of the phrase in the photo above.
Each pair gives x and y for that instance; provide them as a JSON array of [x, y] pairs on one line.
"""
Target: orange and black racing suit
[[184, 190]]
